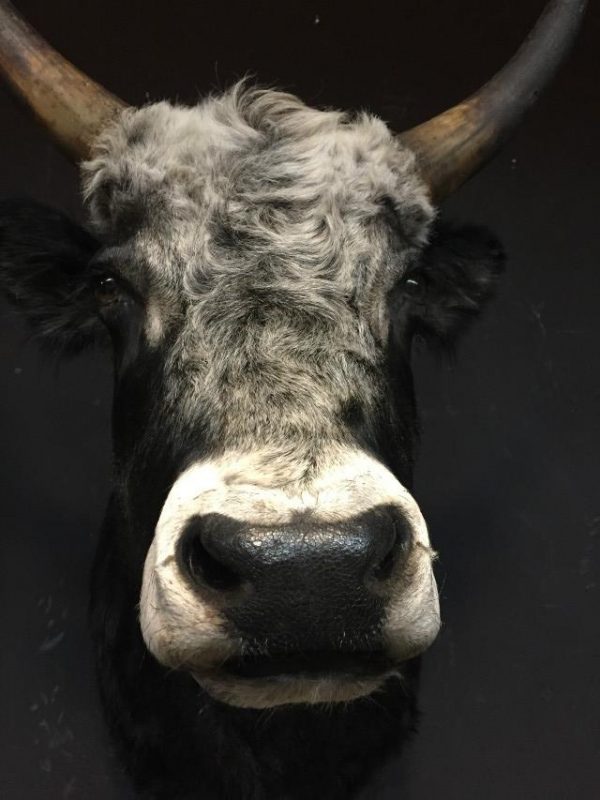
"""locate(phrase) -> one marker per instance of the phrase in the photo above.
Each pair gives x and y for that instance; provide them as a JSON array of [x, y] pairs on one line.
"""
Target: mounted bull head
[[261, 269]]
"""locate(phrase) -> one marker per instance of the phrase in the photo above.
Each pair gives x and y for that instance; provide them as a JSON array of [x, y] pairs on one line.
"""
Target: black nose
[[306, 584]]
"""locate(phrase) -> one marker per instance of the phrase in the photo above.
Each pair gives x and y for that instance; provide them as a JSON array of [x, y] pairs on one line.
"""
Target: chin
[[281, 690]]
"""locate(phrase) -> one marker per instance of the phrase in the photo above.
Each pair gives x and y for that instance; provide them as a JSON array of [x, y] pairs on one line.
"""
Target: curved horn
[[453, 145], [71, 106]]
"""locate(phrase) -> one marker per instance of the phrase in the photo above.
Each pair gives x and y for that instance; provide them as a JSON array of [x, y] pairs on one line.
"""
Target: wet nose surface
[[304, 585]]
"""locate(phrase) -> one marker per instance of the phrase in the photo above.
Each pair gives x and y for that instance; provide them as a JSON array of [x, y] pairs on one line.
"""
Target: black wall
[[508, 474]]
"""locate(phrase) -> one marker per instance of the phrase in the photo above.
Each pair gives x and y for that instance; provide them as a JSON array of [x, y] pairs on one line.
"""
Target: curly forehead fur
[[267, 235]]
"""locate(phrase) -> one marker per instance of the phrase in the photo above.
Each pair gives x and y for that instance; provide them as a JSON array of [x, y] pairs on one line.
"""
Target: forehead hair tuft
[[281, 149]]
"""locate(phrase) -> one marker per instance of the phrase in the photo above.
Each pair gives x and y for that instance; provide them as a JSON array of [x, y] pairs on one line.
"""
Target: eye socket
[[106, 290]]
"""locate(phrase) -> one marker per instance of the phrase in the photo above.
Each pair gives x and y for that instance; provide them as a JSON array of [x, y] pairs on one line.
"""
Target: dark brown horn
[[456, 143], [71, 106]]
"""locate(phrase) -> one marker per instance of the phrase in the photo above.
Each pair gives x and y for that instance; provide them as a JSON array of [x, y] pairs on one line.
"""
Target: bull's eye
[[414, 287], [106, 289]]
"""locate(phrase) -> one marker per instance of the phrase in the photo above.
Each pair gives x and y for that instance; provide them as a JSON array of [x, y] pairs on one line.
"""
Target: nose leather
[[304, 585]]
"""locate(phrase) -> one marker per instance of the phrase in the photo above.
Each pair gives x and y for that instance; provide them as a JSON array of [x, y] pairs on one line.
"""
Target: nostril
[[384, 568], [203, 567], [396, 540]]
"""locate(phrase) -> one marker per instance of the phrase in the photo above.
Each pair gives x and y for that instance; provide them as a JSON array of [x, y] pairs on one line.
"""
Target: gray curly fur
[[266, 235]]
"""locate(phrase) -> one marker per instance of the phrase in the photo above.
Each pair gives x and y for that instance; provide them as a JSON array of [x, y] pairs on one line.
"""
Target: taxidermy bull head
[[260, 269]]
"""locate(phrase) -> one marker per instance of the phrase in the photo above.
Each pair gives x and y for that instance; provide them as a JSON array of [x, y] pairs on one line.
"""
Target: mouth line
[[313, 666]]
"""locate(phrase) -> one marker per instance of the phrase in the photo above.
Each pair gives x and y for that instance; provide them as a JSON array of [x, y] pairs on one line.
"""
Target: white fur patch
[[184, 630], [271, 693]]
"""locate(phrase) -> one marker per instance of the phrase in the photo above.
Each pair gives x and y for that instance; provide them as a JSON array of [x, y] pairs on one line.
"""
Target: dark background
[[508, 473]]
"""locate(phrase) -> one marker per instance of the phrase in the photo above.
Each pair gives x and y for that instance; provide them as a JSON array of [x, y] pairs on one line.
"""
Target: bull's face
[[261, 269]]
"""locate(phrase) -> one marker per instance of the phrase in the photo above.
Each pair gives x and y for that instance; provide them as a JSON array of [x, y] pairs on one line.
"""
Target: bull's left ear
[[445, 291], [44, 260]]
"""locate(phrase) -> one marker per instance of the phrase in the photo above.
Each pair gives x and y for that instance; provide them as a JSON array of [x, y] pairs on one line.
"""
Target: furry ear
[[455, 276], [44, 259]]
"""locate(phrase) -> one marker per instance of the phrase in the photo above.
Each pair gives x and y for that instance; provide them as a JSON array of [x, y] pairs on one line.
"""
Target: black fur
[[455, 277], [44, 264]]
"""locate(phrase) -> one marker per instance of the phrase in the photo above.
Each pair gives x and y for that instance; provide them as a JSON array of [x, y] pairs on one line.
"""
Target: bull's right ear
[[44, 271]]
